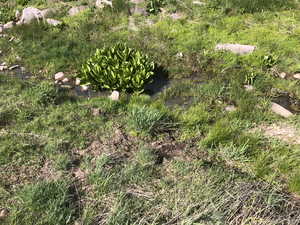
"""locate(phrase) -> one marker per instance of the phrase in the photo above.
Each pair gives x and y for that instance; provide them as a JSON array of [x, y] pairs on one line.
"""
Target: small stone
[[8, 25], [84, 87], [114, 96], [77, 81], [179, 55], [3, 68], [279, 110], [13, 67], [297, 76], [3, 213], [102, 3], [282, 75], [230, 108], [53, 22], [199, 3], [236, 48], [249, 87], [4, 64], [65, 80], [59, 76]]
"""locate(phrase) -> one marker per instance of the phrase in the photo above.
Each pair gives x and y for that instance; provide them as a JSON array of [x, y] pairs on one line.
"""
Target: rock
[[77, 9], [77, 81], [230, 108], [65, 80], [53, 22], [13, 67], [278, 109], [8, 25], [31, 14], [102, 3], [114, 96], [282, 75], [236, 48], [249, 87], [84, 87], [179, 55], [297, 76], [4, 64], [199, 3], [59, 76], [3, 213], [176, 16], [3, 68], [1, 28]]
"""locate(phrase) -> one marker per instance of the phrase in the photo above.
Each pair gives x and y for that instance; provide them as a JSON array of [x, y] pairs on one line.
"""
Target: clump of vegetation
[[251, 6], [153, 6], [118, 68], [44, 203], [6, 11], [149, 120], [45, 93]]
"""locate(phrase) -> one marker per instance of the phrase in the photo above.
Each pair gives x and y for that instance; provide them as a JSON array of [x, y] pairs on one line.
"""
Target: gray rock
[[236, 48], [13, 67], [77, 9], [2, 67], [279, 110], [102, 3], [297, 76], [31, 14], [17, 14], [53, 22]]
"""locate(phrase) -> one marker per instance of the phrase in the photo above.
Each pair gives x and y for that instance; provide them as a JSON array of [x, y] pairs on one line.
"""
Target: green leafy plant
[[153, 6], [269, 61], [118, 68]]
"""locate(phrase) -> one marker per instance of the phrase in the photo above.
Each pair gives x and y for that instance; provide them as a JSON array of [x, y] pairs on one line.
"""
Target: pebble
[[59, 76], [77, 81], [282, 75], [297, 76], [114, 96]]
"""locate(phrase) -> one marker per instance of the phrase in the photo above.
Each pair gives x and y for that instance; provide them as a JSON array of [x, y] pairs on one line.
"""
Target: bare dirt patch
[[282, 131]]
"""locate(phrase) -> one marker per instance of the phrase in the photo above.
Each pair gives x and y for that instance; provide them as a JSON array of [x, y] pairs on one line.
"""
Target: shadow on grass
[[160, 81]]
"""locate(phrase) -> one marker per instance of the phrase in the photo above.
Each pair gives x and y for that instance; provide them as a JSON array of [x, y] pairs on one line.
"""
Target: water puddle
[[288, 102]]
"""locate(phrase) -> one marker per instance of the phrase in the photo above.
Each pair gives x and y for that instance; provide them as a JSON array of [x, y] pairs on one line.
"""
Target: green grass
[[173, 157]]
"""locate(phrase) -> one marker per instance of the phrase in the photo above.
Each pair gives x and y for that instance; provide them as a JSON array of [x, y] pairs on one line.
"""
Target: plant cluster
[[154, 6], [118, 68]]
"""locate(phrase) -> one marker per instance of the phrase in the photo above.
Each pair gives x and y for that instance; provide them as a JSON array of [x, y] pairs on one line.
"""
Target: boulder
[[236, 48], [77, 9], [102, 3], [53, 22], [279, 110]]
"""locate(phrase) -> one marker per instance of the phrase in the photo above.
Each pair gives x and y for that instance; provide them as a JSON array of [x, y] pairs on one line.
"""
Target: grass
[[173, 157]]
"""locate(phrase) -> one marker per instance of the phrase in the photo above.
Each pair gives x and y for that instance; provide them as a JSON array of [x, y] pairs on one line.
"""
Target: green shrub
[[145, 119], [118, 68]]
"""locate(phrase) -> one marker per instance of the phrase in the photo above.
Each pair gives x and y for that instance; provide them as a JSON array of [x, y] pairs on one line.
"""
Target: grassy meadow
[[171, 155]]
